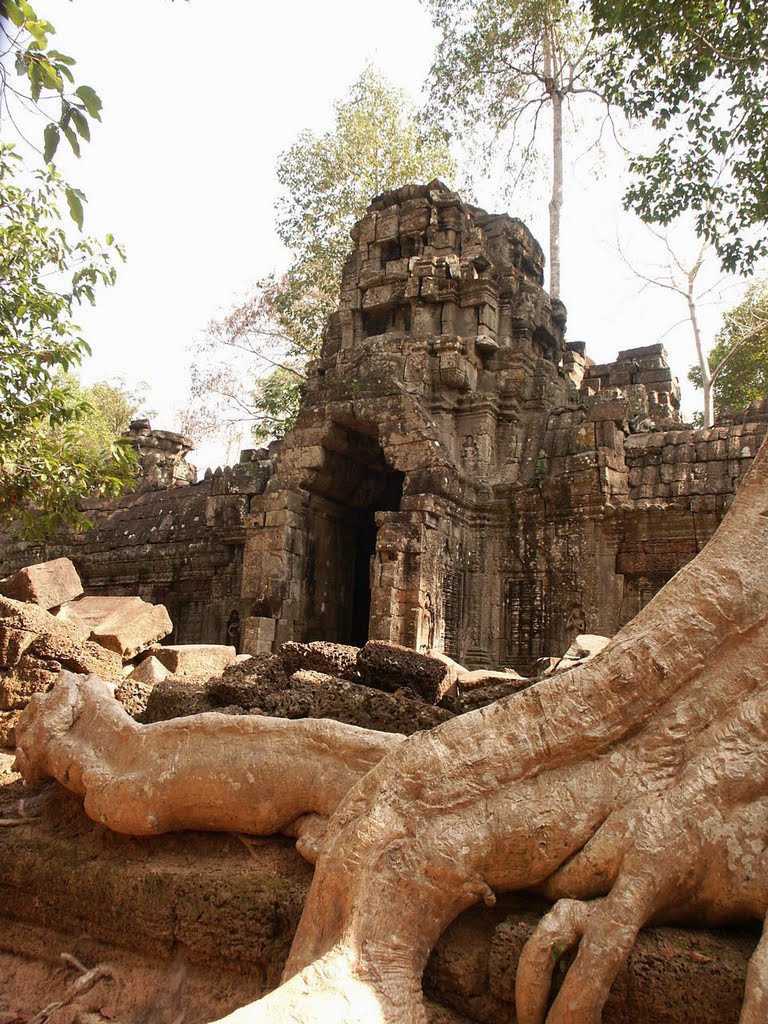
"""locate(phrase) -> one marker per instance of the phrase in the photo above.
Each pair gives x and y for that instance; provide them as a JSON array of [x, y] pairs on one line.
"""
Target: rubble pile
[[47, 624]]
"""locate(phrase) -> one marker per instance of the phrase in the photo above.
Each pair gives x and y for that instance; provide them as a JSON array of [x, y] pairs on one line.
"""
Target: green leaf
[[81, 123], [91, 100], [72, 139], [110, 238], [21, 62], [35, 80], [75, 204], [61, 58], [14, 13], [51, 77], [51, 138]]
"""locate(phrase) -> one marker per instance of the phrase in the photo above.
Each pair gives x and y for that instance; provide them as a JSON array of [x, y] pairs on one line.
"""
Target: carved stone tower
[[429, 491]]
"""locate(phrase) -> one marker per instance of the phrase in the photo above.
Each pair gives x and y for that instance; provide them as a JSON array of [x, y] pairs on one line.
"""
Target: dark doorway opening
[[355, 485], [365, 548]]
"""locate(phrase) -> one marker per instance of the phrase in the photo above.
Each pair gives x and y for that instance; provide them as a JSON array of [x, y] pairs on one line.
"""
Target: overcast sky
[[200, 99]]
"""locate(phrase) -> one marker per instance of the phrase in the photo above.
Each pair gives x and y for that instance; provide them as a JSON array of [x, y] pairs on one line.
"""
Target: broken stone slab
[[47, 584], [35, 646], [89, 612], [470, 680], [195, 659], [320, 656], [32, 675], [176, 699], [388, 666], [13, 643], [584, 647], [355, 704], [132, 628], [263, 689], [587, 645]]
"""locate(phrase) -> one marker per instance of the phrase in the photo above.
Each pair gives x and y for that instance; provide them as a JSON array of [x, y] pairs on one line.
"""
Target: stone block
[[195, 659], [388, 666], [150, 671], [320, 656], [615, 409], [47, 584], [87, 613], [131, 629], [259, 634]]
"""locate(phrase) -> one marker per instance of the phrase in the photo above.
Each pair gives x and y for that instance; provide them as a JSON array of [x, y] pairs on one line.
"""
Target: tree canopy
[[377, 143], [697, 71], [45, 275], [739, 357]]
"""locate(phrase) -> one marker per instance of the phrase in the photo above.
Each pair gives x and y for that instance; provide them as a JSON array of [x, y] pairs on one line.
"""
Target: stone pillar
[[273, 564]]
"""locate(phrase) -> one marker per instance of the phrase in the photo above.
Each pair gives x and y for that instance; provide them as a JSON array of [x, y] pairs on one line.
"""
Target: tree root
[[633, 788]]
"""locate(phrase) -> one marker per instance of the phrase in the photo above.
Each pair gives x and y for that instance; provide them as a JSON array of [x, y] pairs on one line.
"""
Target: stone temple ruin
[[461, 480], [459, 477]]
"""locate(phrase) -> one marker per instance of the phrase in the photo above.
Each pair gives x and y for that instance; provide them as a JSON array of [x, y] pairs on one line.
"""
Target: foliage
[[739, 357], [114, 404], [697, 70], [377, 143], [45, 275], [44, 77], [509, 65]]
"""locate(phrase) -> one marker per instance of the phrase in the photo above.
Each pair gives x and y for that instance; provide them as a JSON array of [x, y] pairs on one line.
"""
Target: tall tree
[[509, 64], [377, 143], [697, 72]]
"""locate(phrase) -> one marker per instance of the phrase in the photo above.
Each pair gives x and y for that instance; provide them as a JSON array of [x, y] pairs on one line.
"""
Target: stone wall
[[180, 546], [458, 476]]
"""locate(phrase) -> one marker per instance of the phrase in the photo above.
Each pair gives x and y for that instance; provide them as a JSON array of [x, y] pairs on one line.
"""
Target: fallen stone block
[[195, 659], [587, 645], [388, 666], [482, 696], [584, 647], [35, 646], [32, 675], [13, 644], [88, 613], [249, 683], [173, 699], [47, 584], [483, 677], [320, 656], [133, 628], [149, 671], [369, 708], [134, 696]]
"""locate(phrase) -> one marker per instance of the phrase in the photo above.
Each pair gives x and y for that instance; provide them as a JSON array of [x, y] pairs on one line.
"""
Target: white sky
[[200, 99]]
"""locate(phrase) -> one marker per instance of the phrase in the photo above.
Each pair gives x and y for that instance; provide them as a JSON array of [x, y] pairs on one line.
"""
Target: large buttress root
[[214, 772], [633, 786]]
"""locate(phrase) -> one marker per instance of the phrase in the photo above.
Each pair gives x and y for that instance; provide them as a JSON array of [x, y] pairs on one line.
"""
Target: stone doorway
[[355, 484]]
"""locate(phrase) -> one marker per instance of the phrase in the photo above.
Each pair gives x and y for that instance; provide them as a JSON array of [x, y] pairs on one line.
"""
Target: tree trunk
[[556, 200], [706, 376], [631, 789]]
